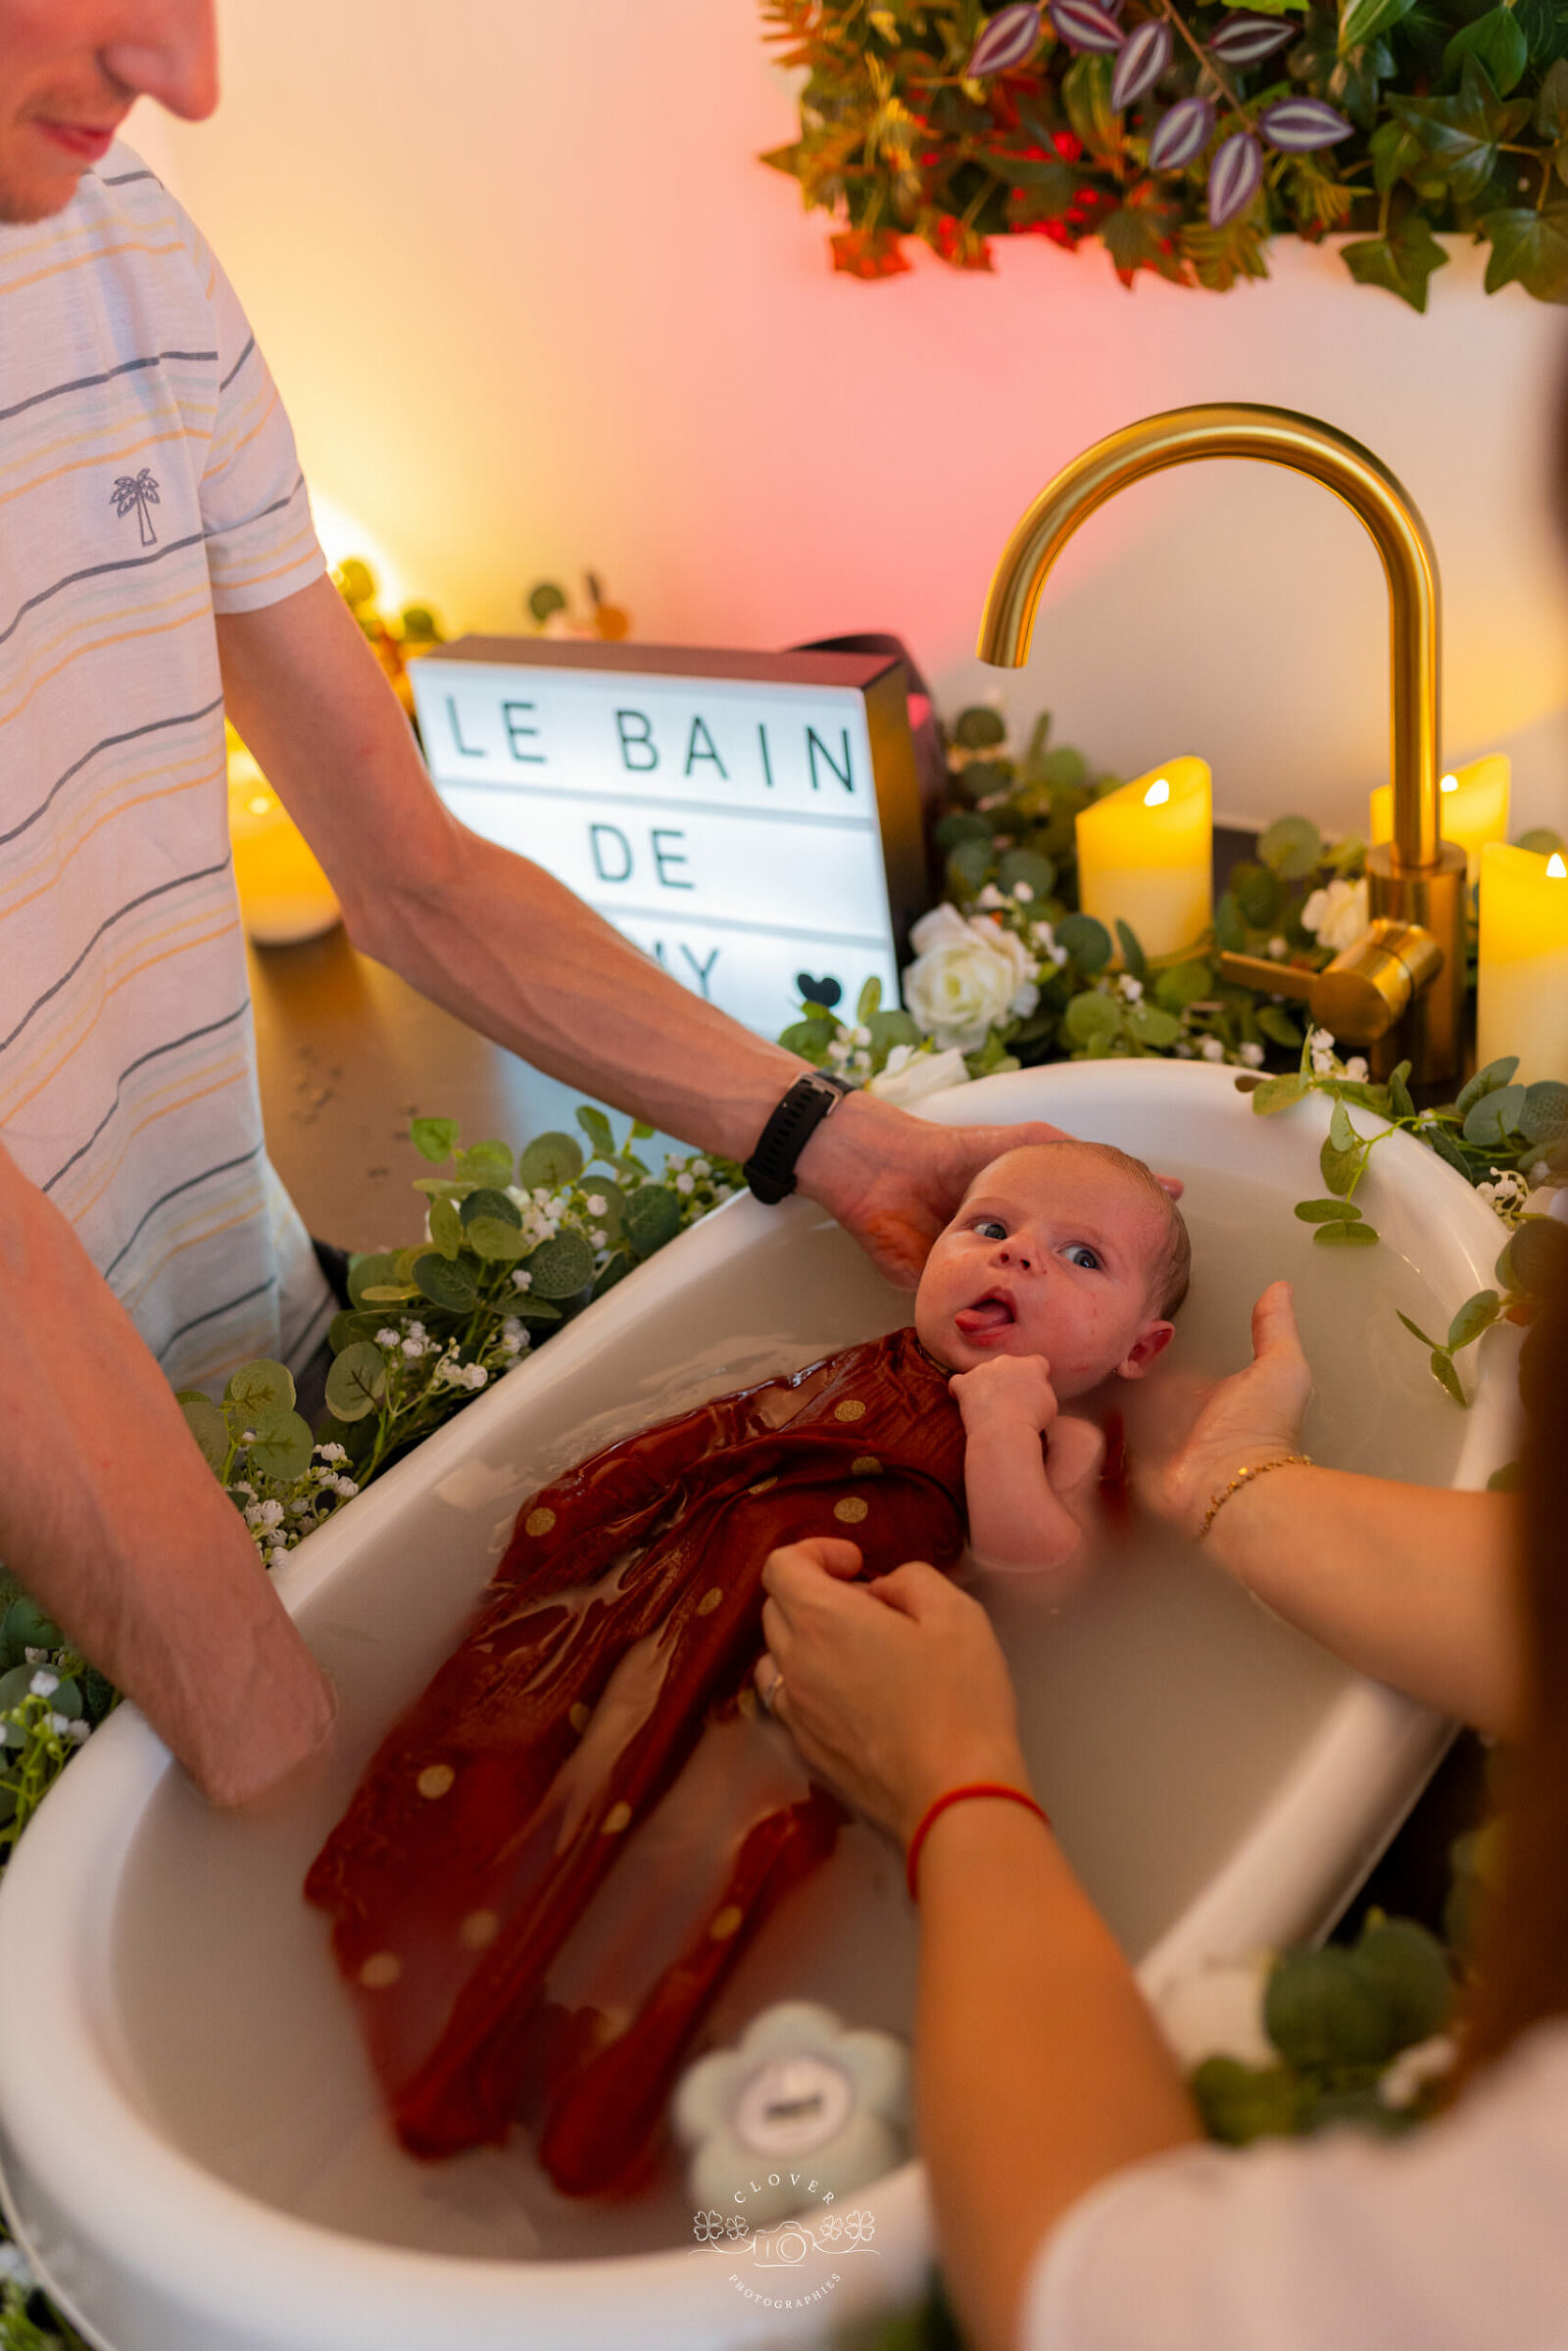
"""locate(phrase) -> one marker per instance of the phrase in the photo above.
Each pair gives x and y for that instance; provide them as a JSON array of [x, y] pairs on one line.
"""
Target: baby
[[1059, 1274], [556, 1858]]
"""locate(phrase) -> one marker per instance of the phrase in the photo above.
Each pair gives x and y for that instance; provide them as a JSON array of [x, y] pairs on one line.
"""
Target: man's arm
[[115, 1526], [510, 951]]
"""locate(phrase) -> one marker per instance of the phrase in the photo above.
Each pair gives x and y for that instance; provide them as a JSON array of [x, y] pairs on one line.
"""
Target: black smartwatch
[[770, 1169]]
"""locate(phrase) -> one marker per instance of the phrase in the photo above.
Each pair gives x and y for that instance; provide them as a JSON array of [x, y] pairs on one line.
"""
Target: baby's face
[[1052, 1253]]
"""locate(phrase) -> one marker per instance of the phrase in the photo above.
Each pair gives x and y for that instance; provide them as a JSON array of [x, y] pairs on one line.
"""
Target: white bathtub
[[189, 2139]]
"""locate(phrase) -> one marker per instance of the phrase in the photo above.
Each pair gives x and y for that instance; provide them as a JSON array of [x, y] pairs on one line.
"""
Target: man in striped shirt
[[158, 563]]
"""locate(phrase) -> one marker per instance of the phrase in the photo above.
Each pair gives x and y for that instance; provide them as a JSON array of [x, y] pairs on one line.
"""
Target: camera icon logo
[[784, 2247]]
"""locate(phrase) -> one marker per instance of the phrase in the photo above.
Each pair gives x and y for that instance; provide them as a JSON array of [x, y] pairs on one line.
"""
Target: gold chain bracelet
[[1245, 1477]]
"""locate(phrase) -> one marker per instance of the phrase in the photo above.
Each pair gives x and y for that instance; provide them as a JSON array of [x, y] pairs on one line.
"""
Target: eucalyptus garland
[[1183, 137]]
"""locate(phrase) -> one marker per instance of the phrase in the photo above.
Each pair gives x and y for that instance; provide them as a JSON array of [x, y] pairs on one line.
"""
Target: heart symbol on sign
[[817, 992]]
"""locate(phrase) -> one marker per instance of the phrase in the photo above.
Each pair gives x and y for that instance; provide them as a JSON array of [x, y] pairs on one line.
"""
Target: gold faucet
[[1400, 989]]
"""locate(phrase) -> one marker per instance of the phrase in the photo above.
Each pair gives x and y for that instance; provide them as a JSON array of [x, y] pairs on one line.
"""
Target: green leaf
[[1414, 1328], [1320, 2011], [497, 1242], [259, 1391], [1543, 842], [357, 1381], [1438, 1140], [1132, 954], [892, 1028], [962, 824], [434, 1138], [869, 1000], [1401, 263], [1086, 95], [1476, 1315], [1490, 1122], [615, 1270], [486, 1201], [968, 867], [1447, 1377], [1508, 1478], [1401, 1105], [809, 1039], [353, 1323], [1230, 931], [1292, 847], [1342, 1134], [1397, 153], [1328, 1211], [979, 727], [210, 1430], [1037, 873], [1537, 1254], [446, 1284], [1087, 941], [491, 1162], [1462, 135], [1487, 1080], [528, 1308], [1497, 41], [1239, 2103], [1346, 1236], [1528, 248], [1259, 893], [1278, 1094], [1551, 103], [550, 1161], [562, 1267], [1089, 1017], [28, 1628], [596, 1127], [376, 1265], [282, 1450], [389, 1294], [1544, 1119], [1156, 1030], [446, 1228], [1278, 1027], [650, 1216], [1362, 21], [1184, 984]]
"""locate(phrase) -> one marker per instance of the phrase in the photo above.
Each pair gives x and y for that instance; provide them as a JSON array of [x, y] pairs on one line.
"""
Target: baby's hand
[[1009, 1387]]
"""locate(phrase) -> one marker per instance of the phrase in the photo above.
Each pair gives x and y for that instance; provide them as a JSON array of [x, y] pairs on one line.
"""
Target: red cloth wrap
[[596, 1731]]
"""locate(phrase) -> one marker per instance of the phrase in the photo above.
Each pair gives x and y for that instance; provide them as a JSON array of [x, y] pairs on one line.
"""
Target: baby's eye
[[991, 1228], [1079, 1253]]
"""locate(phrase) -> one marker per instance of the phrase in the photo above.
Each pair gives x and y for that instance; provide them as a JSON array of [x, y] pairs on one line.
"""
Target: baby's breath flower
[[346, 1488], [76, 1732], [44, 1682], [991, 898], [599, 1237], [684, 1184], [1277, 950], [386, 1336], [59, 1724], [861, 1034], [1356, 1068], [332, 1452], [1214, 1048], [1023, 893], [1132, 989], [1252, 1055], [596, 1204], [521, 1280], [1539, 1172], [413, 1349], [700, 1167], [474, 1375]]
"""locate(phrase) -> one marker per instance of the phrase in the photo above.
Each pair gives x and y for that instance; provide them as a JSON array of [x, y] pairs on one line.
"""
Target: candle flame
[[1156, 795], [1449, 783], [1556, 868]]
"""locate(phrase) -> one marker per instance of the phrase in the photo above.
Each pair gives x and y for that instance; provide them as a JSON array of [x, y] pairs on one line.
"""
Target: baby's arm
[[1027, 1503]]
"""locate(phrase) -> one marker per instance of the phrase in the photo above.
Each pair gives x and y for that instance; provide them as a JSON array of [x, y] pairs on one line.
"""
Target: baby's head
[[1070, 1250]]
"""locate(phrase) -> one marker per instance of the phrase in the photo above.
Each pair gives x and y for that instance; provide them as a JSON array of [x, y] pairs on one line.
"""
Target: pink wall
[[534, 305]]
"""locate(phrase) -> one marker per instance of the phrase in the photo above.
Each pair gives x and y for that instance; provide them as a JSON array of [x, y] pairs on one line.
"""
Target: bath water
[[1158, 1709]]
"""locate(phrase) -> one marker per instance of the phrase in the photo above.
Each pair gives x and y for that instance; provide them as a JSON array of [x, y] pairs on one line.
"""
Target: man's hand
[[1184, 1444], [1012, 1392]]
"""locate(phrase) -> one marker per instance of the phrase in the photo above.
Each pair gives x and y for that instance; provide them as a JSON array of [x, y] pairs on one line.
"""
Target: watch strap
[[771, 1170]]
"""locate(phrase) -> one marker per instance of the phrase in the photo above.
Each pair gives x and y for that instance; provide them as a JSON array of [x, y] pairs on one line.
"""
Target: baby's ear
[[1150, 1342]]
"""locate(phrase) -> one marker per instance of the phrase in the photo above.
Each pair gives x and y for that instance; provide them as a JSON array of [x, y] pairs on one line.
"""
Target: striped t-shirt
[[148, 478]]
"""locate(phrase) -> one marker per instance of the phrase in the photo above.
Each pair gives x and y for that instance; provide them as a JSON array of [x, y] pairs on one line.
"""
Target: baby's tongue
[[991, 1314]]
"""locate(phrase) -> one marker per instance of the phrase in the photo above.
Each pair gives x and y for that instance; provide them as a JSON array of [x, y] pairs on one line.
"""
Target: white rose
[[1338, 914], [967, 976], [909, 1075]]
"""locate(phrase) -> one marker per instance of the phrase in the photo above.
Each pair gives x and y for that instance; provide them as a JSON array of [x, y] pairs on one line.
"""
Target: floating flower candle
[[283, 894], [1474, 806], [1522, 1005], [1145, 855]]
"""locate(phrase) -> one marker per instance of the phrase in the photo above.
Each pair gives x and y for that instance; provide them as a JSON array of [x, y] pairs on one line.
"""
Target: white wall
[[534, 305]]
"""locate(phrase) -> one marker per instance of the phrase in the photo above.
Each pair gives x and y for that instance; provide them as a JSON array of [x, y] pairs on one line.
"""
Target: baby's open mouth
[[992, 1312]]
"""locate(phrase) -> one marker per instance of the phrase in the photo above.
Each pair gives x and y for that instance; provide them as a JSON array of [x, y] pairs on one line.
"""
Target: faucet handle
[[1364, 991]]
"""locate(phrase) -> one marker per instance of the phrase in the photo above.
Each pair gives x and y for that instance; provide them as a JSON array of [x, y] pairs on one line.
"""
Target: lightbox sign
[[744, 818]]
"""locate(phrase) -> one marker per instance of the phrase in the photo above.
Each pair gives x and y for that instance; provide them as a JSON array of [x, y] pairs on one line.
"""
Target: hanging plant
[[1185, 136]]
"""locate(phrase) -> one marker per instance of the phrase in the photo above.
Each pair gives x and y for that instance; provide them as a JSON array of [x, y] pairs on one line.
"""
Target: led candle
[[1146, 855], [283, 894], [1523, 1002], [1474, 807]]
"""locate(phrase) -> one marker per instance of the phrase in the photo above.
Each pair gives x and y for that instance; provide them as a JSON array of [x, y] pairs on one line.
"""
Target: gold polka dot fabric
[[617, 1641]]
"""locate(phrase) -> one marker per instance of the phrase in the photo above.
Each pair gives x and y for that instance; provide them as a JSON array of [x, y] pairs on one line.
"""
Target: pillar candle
[[283, 894], [1522, 1005], [1146, 855], [1474, 806]]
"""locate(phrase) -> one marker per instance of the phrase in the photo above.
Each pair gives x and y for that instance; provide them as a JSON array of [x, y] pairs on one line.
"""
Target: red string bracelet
[[957, 1795]]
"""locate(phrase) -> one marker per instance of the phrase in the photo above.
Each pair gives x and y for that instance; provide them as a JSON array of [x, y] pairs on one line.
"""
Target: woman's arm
[[1039, 2070], [1410, 1584]]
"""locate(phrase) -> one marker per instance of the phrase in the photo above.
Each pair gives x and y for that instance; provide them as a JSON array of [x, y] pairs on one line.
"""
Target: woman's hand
[[1184, 1447], [893, 1690]]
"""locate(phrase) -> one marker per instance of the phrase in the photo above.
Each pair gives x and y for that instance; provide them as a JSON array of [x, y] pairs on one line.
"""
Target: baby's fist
[[1009, 1387]]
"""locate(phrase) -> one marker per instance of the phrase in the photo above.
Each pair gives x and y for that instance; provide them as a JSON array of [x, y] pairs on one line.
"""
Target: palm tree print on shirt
[[140, 491]]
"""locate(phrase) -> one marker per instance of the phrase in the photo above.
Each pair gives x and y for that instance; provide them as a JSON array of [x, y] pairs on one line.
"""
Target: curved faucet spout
[[1279, 437]]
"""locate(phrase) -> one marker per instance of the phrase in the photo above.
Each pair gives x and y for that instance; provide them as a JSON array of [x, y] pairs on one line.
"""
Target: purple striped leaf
[[1143, 60], [1297, 126], [1086, 25], [1007, 40], [1234, 177], [1181, 135], [1244, 39]]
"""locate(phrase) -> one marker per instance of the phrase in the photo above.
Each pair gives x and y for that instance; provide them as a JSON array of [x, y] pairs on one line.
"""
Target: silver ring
[[769, 1698]]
